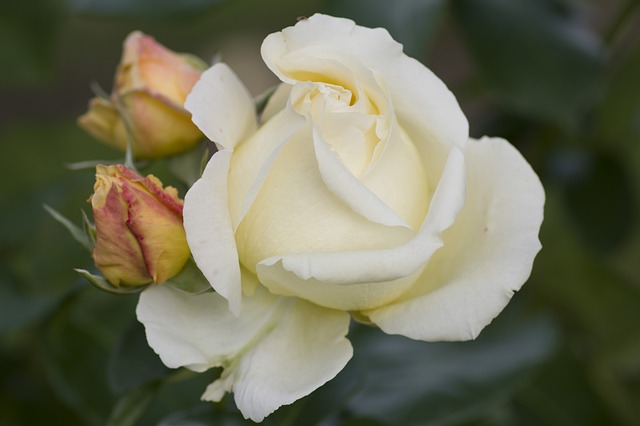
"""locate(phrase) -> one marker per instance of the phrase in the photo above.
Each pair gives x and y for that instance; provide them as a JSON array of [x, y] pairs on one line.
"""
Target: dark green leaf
[[18, 310], [599, 196], [539, 59], [27, 32], [409, 382], [132, 363], [75, 362], [133, 405], [178, 402], [620, 108], [413, 23], [141, 8], [190, 280], [186, 166], [561, 395]]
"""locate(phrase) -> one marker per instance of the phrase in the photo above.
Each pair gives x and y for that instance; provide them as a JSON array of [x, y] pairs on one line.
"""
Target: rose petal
[[294, 211], [209, 230], [222, 107], [276, 352], [487, 256], [198, 331], [425, 108], [349, 189], [351, 280], [253, 159], [303, 352]]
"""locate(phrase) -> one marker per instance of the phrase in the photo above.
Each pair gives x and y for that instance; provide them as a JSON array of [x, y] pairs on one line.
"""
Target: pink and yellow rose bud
[[139, 234], [151, 85]]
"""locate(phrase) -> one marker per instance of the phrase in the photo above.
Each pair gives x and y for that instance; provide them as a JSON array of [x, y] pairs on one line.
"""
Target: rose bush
[[357, 191]]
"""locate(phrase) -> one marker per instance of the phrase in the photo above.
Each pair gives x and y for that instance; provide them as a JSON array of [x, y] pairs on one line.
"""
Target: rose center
[[348, 127]]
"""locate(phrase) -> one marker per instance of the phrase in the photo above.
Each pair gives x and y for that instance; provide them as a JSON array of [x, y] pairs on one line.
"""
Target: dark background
[[560, 79]]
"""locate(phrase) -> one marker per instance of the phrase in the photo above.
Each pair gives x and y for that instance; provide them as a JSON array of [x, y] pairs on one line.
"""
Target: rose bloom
[[151, 85], [357, 191]]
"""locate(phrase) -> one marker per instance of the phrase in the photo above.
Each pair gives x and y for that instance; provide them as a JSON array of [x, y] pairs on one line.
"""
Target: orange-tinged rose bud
[[151, 85], [139, 233]]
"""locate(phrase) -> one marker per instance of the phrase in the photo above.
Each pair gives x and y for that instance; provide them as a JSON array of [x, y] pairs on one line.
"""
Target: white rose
[[356, 191]]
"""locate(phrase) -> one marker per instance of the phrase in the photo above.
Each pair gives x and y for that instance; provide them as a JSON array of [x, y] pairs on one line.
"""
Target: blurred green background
[[560, 79]]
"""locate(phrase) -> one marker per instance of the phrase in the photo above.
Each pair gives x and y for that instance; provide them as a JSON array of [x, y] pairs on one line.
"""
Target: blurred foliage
[[558, 78]]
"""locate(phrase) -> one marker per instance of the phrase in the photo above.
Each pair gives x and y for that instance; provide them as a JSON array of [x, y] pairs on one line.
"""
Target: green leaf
[[132, 363], [77, 233], [413, 23], [537, 58], [75, 362], [561, 395], [599, 196], [101, 283], [18, 310], [186, 166], [141, 8], [413, 383], [132, 406], [190, 280], [204, 416], [619, 111], [27, 31]]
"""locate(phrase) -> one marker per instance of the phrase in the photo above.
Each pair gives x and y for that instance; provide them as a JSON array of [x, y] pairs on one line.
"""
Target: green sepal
[[262, 99], [195, 61], [104, 285], [89, 229], [133, 405], [204, 160], [77, 233], [187, 166], [190, 280]]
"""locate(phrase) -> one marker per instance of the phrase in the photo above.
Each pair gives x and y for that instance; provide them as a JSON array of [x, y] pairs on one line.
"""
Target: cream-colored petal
[[487, 255], [276, 352], [349, 189], [253, 159], [198, 331], [368, 278], [425, 108], [399, 177], [222, 107], [277, 102], [295, 212], [306, 349], [209, 230]]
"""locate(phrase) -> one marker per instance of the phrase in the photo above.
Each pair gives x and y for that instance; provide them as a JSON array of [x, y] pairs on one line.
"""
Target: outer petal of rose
[[425, 108], [304, 351], [351, 280], [487, 255], [222, 107], [199, 332], [252, 160], [277, 351], [209, 230], [160, 126]]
